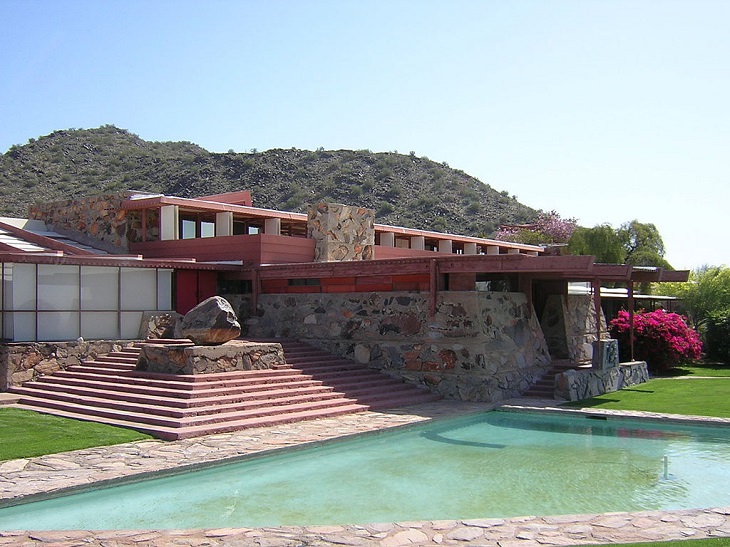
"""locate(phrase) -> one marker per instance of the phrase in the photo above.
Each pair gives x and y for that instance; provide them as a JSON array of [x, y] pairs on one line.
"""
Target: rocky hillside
[[404, 190]]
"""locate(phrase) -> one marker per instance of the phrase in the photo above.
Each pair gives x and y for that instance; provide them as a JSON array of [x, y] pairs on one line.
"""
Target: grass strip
[[703, 369], [24, 434], [694, 397]]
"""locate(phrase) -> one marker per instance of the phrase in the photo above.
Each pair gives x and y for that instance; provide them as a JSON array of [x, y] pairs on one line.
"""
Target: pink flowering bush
[[548, 228], [661, 338]]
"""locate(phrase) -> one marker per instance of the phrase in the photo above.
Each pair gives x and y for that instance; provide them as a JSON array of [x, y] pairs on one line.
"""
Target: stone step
[[544, 387]]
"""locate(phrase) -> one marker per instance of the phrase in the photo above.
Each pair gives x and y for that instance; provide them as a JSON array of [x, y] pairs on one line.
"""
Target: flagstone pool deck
[[105, 465]]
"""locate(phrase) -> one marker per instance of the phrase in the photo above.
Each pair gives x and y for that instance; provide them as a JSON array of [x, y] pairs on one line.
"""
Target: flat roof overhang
[[208, 206], [189, 204], [124, 261], [568, 268]]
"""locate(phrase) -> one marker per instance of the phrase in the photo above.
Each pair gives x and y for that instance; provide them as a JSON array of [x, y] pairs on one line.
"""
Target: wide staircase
[[312, 384]]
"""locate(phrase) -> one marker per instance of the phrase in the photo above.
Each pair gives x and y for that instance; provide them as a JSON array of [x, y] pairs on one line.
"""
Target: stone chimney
[[341, 232]]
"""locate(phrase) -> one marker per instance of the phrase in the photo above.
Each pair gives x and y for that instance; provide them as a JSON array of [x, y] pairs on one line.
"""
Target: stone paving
[[37, 477]]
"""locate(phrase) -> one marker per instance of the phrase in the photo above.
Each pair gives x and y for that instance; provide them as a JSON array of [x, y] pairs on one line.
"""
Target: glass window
[[187, 230], [207, 229]]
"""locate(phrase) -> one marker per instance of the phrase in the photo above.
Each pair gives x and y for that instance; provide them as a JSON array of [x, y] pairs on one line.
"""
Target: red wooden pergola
[[431, 274]]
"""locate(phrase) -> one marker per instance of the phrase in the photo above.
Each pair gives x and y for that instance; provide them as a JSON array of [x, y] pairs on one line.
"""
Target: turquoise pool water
[[495, 464]]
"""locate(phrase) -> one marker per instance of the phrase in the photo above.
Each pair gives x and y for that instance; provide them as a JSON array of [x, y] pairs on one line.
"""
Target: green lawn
[[24, 433], [693, 396], [702, 369]]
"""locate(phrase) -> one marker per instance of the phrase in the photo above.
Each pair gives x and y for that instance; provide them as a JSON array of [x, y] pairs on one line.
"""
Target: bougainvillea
[[661, 338]]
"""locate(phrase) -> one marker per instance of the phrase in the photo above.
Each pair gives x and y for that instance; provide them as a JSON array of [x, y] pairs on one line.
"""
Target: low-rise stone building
[[471, 318]]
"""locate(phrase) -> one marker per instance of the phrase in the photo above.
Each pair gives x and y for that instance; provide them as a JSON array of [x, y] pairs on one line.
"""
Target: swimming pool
[[493, 464]]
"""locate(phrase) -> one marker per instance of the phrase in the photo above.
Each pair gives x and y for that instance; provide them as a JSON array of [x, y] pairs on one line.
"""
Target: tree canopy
[[601, 241], [642, 244], [634, 242], [706, 292]]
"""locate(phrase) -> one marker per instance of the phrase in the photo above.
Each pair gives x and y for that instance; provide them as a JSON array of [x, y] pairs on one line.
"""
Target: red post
[[434, 278], [631, 318]]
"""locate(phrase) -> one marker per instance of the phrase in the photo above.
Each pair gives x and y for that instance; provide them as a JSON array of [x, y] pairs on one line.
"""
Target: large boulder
[[211, 322], [159, 325]]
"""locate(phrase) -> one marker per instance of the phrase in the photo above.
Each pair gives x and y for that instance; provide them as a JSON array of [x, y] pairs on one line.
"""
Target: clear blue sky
[[606, 111]]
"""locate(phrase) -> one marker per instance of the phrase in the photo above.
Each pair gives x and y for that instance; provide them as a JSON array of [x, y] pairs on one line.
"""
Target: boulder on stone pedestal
[[211, 322]]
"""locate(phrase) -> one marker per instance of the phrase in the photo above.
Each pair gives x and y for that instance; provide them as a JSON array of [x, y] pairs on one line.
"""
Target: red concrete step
[[184, 391], [176, 433], [185, 382], [107, 365], [174, 400], [314, 384], [268, 421], [172, 408], [111, 358], [154, 416]]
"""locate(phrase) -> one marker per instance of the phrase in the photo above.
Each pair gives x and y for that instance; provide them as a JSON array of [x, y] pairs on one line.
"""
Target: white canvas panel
[[22, 281], [99, 288], [99, 325], [58, 287], [19, 326], [138, 289], [130, 323], [164, 290], [58, 325]]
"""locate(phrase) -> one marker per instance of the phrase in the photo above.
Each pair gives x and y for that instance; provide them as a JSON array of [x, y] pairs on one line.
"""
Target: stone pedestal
[[576, 385], [605, 354], [182, 358], [341, 232]]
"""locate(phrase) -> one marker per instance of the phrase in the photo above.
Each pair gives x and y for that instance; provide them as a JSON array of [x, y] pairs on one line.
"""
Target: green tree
[[706, 292], [633, 243], [643, 245], [601, 241]]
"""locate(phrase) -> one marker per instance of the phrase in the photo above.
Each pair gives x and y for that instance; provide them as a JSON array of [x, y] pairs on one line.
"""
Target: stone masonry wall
[[575, 385], [98, 219], [479, 346], [25, 361], [569, 324], [341, 232], [580, 323]]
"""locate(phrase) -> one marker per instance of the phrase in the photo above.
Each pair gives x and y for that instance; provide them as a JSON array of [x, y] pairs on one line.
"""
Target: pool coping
[[32, 478]]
